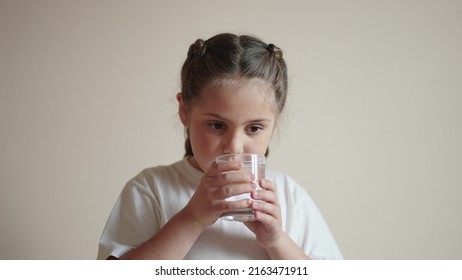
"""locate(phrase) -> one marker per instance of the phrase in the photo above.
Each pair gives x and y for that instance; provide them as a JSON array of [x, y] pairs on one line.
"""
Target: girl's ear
[[182, 109]]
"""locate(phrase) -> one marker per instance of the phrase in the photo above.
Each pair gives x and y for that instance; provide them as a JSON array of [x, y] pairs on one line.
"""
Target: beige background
[[373, 125]]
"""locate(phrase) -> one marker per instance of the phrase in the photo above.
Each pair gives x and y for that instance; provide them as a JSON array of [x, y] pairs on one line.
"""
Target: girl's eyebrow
[[215, 116], [218, 116]]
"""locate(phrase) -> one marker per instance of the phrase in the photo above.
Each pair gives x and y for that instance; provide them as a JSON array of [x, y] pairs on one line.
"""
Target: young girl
[[233, 91]]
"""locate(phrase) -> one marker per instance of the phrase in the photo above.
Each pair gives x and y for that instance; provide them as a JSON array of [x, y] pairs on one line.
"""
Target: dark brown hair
[[229, 56]]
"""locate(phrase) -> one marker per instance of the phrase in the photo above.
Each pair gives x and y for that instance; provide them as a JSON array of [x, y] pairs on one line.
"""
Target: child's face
[[237, 117]]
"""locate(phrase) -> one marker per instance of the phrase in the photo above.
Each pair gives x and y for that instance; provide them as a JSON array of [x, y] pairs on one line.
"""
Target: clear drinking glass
[[253, 163]]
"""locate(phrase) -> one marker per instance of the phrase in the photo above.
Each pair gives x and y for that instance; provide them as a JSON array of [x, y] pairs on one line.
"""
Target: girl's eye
[[254, 129], [216, 125]]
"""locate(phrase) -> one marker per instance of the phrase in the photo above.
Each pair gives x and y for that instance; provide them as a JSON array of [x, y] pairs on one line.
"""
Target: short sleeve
[[134, 219], [303, 220]]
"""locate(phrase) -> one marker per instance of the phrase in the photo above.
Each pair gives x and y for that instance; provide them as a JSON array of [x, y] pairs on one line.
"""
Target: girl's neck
[[194, 163]]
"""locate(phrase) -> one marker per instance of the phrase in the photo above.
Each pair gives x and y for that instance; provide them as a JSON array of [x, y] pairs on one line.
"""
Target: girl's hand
[[218, 183], [268, 224]]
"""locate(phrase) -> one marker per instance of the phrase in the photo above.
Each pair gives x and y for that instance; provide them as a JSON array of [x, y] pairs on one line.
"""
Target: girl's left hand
[[267, 212]]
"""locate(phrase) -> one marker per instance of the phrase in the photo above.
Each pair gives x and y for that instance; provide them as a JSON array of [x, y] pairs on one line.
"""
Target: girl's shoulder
[[176, 175], [154, 173], [166, 172]]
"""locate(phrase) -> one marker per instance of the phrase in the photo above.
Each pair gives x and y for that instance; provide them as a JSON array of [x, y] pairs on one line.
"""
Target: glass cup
[[253, 163]]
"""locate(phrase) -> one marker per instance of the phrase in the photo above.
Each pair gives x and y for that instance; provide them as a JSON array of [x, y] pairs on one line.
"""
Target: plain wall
[[372, 127]]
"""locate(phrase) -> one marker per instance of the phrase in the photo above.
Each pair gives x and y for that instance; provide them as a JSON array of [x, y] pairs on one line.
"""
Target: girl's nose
[[233, 144]]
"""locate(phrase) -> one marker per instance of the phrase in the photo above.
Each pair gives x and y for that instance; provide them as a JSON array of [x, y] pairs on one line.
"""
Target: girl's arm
[[176, 237], [173, 241], [286, 249], [268, 225]]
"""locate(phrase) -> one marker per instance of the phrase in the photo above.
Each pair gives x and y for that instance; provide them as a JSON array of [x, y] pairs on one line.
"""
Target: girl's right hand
[[219, 182]]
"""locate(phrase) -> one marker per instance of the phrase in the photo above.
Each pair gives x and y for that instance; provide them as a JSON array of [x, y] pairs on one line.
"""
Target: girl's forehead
[[239, 88], [239, 82]]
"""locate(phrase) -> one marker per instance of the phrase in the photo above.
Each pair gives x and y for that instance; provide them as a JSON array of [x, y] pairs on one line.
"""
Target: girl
[[233, 91]]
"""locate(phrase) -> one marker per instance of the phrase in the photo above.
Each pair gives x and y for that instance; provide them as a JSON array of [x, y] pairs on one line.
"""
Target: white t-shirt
[[150, 199]]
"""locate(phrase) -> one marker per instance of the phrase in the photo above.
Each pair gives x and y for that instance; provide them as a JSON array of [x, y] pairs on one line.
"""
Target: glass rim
[[244, 157]]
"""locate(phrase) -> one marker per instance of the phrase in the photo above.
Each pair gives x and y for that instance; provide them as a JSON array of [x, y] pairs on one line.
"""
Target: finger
[[265, 218], [266, 196], [219, 168], [266, 208], [229, 171], [230, 190], [224, 174], [267, 184], [229, 178], [236, 176], [226, 206]]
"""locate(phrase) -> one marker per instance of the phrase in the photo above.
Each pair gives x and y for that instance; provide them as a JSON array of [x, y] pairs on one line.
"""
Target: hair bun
[[274, 50], [198, 48]]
